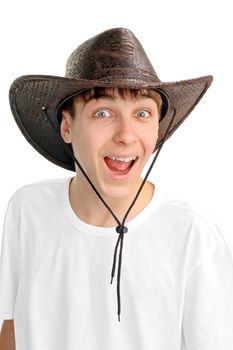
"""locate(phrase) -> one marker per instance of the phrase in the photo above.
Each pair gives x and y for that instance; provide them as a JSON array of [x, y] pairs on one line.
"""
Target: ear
[[65, 127]]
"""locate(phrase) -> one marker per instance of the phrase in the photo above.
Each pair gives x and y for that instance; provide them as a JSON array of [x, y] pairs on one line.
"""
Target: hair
[[98, 92]]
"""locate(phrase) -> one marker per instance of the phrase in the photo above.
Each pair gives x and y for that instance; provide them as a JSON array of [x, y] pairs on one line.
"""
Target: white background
[[183, 40]]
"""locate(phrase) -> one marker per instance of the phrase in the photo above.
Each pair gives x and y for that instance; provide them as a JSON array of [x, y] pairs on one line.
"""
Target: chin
[[119, 191]]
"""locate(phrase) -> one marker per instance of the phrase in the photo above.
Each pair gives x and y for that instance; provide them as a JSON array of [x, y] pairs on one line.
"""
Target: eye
[[102, 113], [143, 114]]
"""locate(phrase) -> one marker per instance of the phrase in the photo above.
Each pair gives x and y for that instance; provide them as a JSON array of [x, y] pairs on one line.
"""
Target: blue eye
[[102, 113], [143, 114]]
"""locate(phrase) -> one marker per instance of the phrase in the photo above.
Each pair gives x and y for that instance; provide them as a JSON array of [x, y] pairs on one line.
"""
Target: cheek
[[150, 139], [88, 142]]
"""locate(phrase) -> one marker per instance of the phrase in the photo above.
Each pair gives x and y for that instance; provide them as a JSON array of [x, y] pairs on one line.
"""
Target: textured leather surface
[[116, 53]]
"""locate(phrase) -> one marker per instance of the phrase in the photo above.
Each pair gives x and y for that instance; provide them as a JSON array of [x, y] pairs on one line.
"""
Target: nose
[[125, 132]]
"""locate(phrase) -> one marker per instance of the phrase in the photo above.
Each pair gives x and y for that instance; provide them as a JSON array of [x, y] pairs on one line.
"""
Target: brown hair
[[98, 92]]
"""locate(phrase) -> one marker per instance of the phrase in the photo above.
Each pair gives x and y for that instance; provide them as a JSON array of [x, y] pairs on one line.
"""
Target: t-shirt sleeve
[[208, 306], [9, 263]]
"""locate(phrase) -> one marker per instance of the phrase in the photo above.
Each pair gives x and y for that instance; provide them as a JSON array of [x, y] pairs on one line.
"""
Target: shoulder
[[36, 192], [190, 216], [180, 207], [194, 228]]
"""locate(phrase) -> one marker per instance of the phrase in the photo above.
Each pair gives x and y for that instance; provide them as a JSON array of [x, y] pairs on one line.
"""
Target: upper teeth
[[120, 159]]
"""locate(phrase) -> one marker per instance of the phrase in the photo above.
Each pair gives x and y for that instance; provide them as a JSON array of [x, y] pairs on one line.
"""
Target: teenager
[[63, 239]]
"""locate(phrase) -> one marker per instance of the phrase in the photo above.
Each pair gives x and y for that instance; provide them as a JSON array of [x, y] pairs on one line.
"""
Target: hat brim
[[29, 93]]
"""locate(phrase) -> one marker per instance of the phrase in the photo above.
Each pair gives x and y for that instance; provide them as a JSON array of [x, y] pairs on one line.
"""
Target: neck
[[89, 208]]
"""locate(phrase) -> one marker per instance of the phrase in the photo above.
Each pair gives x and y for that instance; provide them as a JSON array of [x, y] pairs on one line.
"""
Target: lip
[[123, 176]]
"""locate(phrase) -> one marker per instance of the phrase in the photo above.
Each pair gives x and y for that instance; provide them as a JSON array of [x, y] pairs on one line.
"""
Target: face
[[112, 138]]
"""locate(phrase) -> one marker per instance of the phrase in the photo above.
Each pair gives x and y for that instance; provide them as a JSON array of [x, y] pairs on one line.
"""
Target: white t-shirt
[[55, 272]]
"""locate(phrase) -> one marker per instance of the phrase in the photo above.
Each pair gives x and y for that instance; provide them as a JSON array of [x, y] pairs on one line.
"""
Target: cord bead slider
[[121, 229]]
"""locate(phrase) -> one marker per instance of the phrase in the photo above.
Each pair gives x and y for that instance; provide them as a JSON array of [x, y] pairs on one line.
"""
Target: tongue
[[115, 165]]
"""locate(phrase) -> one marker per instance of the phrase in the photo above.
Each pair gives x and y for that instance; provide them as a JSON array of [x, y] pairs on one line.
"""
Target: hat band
[[108, 74]]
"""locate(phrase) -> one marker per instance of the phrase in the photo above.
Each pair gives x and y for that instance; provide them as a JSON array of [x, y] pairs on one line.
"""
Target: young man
[[104, 121]]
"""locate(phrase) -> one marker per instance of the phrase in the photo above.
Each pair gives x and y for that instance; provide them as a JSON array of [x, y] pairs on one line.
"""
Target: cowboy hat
[[113, 58]]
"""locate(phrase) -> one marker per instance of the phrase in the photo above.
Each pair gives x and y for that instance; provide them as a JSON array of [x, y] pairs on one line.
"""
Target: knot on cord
[[121, 229]]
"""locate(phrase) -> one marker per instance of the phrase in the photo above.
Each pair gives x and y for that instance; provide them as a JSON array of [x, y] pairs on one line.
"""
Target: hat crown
[[115, 53]]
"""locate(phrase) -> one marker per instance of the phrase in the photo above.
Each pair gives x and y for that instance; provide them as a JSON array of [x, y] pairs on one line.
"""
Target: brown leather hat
[[114, 58]]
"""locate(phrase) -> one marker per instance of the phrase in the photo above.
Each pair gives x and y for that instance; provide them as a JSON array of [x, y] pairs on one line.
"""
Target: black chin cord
[[121, 228]]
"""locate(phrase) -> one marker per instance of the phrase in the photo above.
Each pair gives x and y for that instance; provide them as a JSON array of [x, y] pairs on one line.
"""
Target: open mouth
[[118, 165]]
